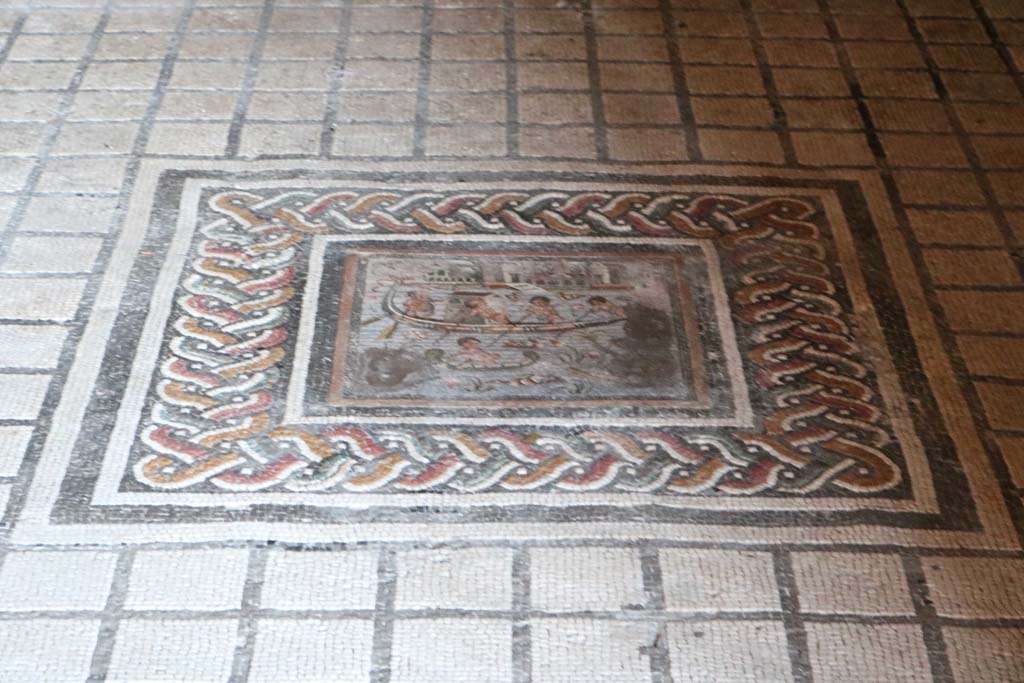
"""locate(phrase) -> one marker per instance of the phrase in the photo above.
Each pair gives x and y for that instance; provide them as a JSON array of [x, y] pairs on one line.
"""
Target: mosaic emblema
[[516, 350]]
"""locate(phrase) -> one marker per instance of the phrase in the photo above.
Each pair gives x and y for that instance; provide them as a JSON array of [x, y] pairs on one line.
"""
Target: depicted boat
[[399, 315]]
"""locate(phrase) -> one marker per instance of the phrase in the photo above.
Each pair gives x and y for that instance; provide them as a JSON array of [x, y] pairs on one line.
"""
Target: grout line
[[110, 619], [422, 117], [924, 609], [679, 81], [654, 587], [248, 624], [796, 634], [384, 619], [780, 124], [511, 93], [594, 78], [329, 124], [248, 82], [522, 645]]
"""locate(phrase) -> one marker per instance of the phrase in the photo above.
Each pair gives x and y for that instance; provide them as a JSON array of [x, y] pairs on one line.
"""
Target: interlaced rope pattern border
[[212, 425]]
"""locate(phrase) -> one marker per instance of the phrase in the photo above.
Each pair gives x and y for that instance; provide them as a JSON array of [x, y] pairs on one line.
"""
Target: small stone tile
[[1012, 450], [48, 47], [52, 254], [199, 104], [909, 115], [202, 139], [757, 651], [145, 19], [379, 74], [462, 21], [13, 444], [36, 75], [893, 55], [896, 83], [215, 45], [120, 46], [82, 175], [991, 117], [984, 311], [32, 581], [225, 19], [13, 172], [547, 20], [383, 106], [336, 580], [954, 227], [96, 138], [298, 46], [110, 105], [646, 144], [370, 140], [719, 24], [305, 19], [629, 22], [904, 149], [993, 356], [377, 19], [718, 580], [754, 112], [295, 76], [454, 47], [939, 187], [390, 46], [312, 651], [985, 655], [436, 650], [467, 76], [555, 108], [832, 149], [44, 20], [41, 298], [791, 26], [557, 141], [1002, 405], [628, 76], [274, 138], [47, 650], [121, 75], [466, 108], [851, 583], [215, 581], [962, 267], [618, 48], [975, 587], [474, 578], [641, 109], [24, 396], [217, 75], [284, 106], [30, 346], [553, 75], [839, 114], [22, 139], [724, 80], [867, 653], [536, 47], [29, 106], [798, 82], [579, 579], [466, 140], [740, 145], [999, 152], [717, 51], [172, 650], [69, 214], [591, 651], [800, 53]]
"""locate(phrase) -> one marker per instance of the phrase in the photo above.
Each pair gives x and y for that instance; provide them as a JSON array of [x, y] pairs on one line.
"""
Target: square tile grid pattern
[[919, 102]]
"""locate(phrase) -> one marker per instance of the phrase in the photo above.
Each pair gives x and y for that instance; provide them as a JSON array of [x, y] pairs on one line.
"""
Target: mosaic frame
[[891, 518]]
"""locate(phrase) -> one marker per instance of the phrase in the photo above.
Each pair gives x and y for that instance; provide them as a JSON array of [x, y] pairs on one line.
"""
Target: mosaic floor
[[512, 341]]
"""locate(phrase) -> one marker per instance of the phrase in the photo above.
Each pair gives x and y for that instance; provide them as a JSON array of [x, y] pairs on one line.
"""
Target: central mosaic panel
[[463, 328]]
